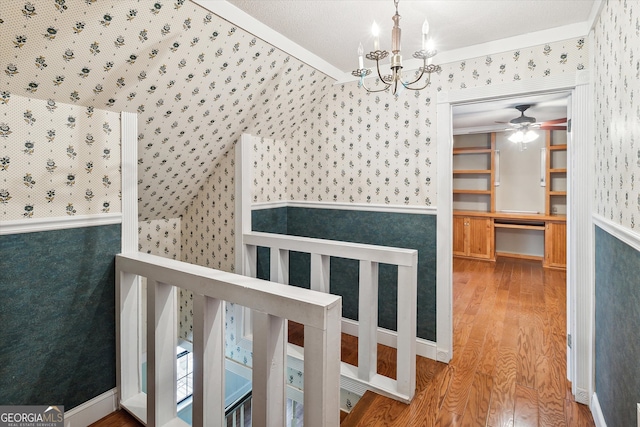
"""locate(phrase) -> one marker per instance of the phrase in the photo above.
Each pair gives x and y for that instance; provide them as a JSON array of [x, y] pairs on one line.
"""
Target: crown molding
[[522, 41]]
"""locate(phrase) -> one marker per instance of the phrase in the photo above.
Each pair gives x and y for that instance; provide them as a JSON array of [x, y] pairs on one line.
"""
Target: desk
[[474, 235]]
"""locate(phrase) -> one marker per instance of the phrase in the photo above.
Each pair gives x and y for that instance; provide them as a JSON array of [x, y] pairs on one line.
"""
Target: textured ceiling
[[332, 29], [195, 80]]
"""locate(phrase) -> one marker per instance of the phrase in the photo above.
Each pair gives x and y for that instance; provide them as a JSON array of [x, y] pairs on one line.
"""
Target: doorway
[[580, 313]]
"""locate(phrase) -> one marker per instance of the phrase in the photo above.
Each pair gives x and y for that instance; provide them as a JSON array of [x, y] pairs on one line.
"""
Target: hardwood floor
[[119, 418], [509, 364]]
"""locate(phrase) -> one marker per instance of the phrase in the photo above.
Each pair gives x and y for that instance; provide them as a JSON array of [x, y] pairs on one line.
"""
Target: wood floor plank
[[550, 386], [526, 357], [477, 409], [118, 418], [577, 414], [504, 390], [526, 407]]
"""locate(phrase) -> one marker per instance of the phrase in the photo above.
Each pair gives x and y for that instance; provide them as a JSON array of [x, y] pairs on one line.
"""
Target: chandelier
[[395, 80]]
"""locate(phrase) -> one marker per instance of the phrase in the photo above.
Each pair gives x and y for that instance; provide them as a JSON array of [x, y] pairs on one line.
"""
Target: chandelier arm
[[374, 90], [424, 64], [380, 74], [420, 88]]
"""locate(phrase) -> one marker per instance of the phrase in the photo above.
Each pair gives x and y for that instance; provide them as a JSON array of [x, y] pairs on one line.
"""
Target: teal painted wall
[[617, 329], [379, 228], [57, 315]]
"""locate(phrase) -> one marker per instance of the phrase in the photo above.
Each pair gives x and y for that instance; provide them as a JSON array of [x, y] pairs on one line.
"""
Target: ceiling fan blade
[[552, 127], [555, 122]]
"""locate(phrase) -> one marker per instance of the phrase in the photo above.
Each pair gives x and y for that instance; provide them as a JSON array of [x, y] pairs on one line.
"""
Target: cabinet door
[[459, 235], [555, 245], [480, 231]]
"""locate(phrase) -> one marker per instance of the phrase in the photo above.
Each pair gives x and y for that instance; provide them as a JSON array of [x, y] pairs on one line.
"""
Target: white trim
[[238, 17], [58, 223], [422, 210], [621, 233], [580, 241], [557, 83], [574, 83], [92, 410], [551, 35], [638, 415], [269, 205], [444, 230], [596, 412], [595, 14], [424, 348], [129, 189]]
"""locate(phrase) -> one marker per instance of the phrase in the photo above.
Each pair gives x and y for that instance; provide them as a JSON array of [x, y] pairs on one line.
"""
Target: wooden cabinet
[[473, 237], [555, 245]]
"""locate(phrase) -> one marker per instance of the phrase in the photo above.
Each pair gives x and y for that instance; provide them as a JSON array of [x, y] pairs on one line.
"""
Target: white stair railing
[[272, 303], [369, 256]]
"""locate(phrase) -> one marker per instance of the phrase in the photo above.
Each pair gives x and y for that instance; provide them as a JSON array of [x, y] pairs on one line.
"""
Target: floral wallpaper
[[57, 159], [616, 69], [377, 148], [196, 81]]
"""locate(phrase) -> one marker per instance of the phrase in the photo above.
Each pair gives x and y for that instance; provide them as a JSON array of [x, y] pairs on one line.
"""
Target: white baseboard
[[596, 411], [389, 338], [91, 411]]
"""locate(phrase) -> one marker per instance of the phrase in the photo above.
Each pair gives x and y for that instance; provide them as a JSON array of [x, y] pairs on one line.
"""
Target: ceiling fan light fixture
[[523, 136]]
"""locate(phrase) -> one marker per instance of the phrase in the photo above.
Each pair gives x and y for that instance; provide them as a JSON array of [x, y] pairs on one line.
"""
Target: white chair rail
[[369, 257], [272, 303]]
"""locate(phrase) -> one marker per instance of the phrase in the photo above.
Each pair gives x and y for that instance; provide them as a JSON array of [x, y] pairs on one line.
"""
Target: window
[[185, 374]]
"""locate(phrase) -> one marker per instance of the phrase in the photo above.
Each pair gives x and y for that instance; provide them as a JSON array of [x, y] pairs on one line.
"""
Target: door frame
[[580, 246]]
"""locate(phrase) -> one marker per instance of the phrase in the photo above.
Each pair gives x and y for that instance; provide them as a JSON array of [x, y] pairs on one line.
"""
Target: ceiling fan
[[523, 126], [526, 122]]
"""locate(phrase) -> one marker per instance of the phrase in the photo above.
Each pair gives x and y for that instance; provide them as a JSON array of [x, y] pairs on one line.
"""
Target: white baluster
[[368, 320], [406, 345], [322, 371], [161, 352], [208, 357], [320, 268], [269, 343]]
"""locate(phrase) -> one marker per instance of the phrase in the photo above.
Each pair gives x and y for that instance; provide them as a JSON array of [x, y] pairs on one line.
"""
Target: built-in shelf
[[471, 171], [557, 193], [558, 147], [471, 150], [457, 191], [558, 170]]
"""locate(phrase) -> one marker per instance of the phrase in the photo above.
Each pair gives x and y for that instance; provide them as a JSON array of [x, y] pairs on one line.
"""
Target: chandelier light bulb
[[375, 30], [425, 32]]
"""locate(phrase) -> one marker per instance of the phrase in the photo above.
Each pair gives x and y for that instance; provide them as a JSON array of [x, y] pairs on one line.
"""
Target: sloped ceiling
[[195, 80]]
